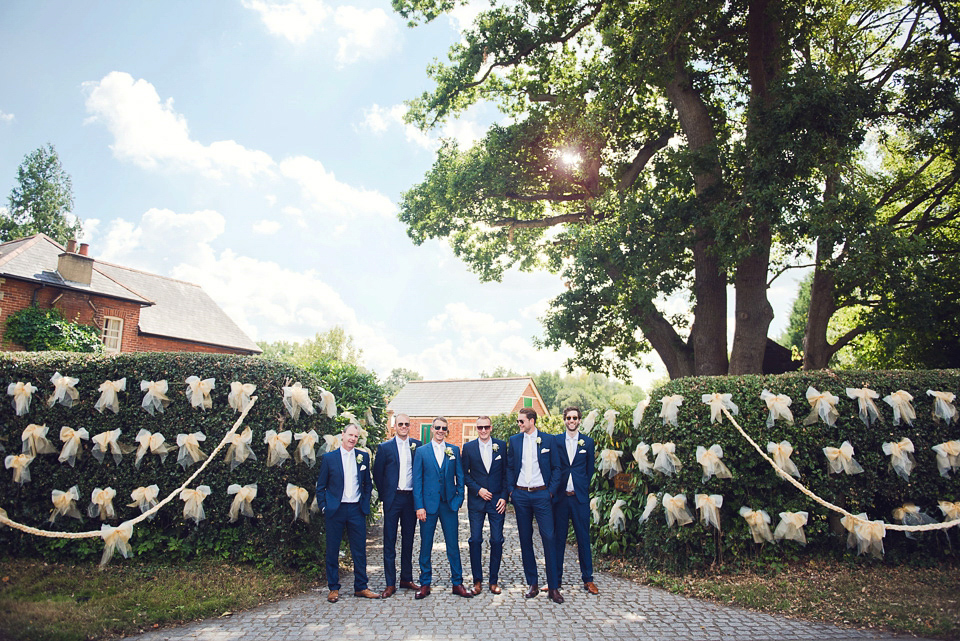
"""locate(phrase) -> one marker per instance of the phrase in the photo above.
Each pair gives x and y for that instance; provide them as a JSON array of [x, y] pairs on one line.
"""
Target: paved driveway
[[623, 610]]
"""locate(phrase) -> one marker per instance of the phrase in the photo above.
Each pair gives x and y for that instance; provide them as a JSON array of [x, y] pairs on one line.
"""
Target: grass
[[919, 601], [55, 602]]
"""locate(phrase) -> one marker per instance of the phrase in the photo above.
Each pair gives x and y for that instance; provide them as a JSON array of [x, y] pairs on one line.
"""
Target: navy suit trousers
[[527, 506], [568, 509], [402, 514], [489, 510], [449, 524], [347, 517]]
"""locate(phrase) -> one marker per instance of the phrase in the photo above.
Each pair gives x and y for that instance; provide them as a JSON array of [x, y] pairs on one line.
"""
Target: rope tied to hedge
[[827, 504], [145, 515]]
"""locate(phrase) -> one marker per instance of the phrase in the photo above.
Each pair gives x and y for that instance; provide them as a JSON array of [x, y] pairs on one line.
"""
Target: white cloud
[[462, 16], [5, 117], [326, 194], [150, 133], [467, 322], [266, 227], [367, 34], [296, 20], [377, 119]]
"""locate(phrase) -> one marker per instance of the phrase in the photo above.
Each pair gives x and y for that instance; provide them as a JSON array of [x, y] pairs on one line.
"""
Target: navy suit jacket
[[330, 481], [433, 485], [581, 469], [547, 457], [476, 476], [386, 470]]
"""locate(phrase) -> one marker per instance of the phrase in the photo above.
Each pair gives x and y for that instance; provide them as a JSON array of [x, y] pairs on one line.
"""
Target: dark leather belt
[[532, 489], [571, 493], [404, 491]]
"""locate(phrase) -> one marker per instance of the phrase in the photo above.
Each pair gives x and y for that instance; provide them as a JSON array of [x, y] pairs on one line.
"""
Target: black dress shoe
[[532, 592], [459, 590], [555, 596]]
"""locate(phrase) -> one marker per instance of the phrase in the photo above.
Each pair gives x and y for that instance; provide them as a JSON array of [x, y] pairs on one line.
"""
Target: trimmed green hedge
[[877, 491], [271, 537]]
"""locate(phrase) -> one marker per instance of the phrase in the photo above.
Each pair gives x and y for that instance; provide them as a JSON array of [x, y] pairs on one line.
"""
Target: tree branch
[[641, 159], [515, 223]]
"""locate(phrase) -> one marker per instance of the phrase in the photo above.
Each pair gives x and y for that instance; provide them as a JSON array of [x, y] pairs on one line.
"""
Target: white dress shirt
[[530, 475], [351, 476], [486, 453], [405, 479], [438, 452], [571, 443]]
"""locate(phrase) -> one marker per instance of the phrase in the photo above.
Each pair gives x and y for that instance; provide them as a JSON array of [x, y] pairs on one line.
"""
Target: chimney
[[75, 267]]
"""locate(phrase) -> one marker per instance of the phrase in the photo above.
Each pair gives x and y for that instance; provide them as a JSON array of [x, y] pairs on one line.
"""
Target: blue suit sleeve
[[378, 464], [418, 503], [322, 483]]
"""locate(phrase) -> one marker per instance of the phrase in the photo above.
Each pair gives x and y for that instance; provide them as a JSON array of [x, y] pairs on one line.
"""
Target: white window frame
[[470, 432], [108, 334]]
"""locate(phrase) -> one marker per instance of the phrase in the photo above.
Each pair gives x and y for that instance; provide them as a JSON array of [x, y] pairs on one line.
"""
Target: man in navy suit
[[533, 478], [572, 502], [438, 495], [343, 495], [393, 476], [485, 475]]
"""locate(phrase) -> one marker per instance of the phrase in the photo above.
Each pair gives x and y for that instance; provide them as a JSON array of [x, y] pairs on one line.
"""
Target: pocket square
[[545, 450], [498, 458], [583, 451], [363, 467]]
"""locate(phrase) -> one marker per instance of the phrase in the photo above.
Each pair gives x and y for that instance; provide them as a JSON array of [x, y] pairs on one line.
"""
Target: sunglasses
[[484, 427], [403, 424], [440, 429]]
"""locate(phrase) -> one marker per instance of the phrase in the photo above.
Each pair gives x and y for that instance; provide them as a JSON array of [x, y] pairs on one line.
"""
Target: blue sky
[[257, 148]]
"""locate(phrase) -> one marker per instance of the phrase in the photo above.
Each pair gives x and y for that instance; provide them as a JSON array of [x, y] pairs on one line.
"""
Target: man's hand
[[422, 514], [501, 506], [485, 494]]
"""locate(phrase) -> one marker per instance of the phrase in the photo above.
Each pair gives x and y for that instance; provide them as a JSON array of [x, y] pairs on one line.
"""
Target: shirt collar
[[575, 437]]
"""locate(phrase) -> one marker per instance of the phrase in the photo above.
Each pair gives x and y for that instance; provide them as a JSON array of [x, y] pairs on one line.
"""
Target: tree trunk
[[816, 350], [753, 311], [676, 355]]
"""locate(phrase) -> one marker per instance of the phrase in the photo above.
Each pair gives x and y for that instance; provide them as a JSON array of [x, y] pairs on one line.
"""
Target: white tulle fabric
[[709, 459], [242, 501], [64, 390], [618, 520], [239, 396], [610, 421], [791, 527], [22, 393], [305, 451], [193, 502], [717, 403], [709, 506], [595, 510], [110, 395], [759, 522], [145, 498], [328, 403], [866, 405], [298, 502], [649, 507], [943, 408], [823, 406], [903, 410], [34, 440], [666, 461], [190, 452], [154, 443], [840, 459], [948, 456], [589, 421], [71, 444], [676, 509], [901, 456], [669, 406], [297, 398], [101, 503], [20, 464], [640, 455], [778, 406], [108, 442], [609, 464], [65, 504], [638, 412], [115, 539], [277, 445], [781, 453], [865, 535], [239, 449], [198, 391], [155, 399]]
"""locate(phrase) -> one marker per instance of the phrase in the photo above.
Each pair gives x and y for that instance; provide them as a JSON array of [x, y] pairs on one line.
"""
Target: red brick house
[[461, 401], [134, 310]]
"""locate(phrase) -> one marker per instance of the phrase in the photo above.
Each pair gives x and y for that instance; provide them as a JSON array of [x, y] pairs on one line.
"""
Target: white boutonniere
[[538, 440], [413, 447], [359, 459], [580, 442], [449, 453], [496, 448]]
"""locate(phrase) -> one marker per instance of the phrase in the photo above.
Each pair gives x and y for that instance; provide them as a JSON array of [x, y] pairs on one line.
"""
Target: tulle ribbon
[[154, 443], [951, 511], [779, 406], [676, 509], [305, 451], [609, 462], [64, 390], [277, 445], [589, 421], [666, 461], [71, 443], [610, 417], [640, 456], [865, 535], [20, 463], [717, 402], [759, 522], [145, 498], [867, 409], [791, 527], [239, 450], [368, 417], [902, 408], [638, 412], [328, 403], [115, 539], [840, 459], [618, 520], [109, 398], [35, 441], [709, 506], [243, 501], [189, 445], [712, 465], [943, 407], [650, 507], [298, 502], [108, 441], [65, 504], [948, 456], [822, 405], [198, 391], [901, 456], [296, 398], [101, 503], [21, 393], [193, 502], [781, 456], [670, 405], [155, 399], [331, 442], [239, 396], [595, 510]]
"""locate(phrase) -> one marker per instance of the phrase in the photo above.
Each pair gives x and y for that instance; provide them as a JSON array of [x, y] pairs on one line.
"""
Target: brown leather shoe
[[334, 596], [555, 595], [366, 594], [388, 592], [409, 585], [495, 588], [423, 592], [532, 592], [459, 590], [477, 587], [591, 587]]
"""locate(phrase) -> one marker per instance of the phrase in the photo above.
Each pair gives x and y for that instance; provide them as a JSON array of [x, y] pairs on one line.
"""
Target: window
[[469, 431], [528, 401], [112, 335], [425, 431]]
